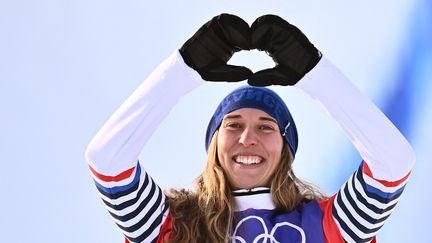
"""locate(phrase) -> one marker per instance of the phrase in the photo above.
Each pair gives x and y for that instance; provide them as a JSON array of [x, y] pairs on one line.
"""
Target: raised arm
[[367, 199], [364, 203], [135, 202], [116, 146], [387, 153]]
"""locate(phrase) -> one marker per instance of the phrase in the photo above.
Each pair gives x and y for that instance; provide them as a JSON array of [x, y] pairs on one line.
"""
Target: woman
[[248, 191]]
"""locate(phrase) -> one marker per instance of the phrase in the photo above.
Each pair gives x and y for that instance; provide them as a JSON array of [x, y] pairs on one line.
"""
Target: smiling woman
[[248, 191], [249, 143], [249, 148]]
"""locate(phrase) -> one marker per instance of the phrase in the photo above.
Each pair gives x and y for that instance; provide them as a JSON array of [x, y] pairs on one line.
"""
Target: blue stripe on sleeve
[[382, 194], [113, 190]]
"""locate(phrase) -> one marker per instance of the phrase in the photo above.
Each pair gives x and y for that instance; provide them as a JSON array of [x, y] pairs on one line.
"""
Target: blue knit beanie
[[260, 98]]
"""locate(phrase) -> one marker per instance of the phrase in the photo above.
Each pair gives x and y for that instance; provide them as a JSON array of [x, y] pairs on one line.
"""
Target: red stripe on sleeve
[[368, 172], [116, 178], [331, 229]]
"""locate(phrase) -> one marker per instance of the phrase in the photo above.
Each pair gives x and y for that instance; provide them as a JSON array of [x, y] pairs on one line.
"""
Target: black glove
[[210, 48], [289, 48]]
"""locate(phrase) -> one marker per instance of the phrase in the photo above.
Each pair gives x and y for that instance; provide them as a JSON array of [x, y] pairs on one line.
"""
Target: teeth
[[248, 160]]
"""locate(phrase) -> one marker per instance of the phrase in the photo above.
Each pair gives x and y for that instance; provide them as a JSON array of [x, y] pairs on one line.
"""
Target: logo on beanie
[[251, 98]]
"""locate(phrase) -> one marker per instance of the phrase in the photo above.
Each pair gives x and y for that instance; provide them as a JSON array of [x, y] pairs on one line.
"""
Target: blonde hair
[[206, 214]]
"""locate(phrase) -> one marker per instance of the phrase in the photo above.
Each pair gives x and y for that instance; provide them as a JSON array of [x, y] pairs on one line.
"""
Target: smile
[[248, 160]]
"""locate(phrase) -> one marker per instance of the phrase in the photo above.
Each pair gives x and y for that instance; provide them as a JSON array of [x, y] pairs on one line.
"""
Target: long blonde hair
[[206, 214]]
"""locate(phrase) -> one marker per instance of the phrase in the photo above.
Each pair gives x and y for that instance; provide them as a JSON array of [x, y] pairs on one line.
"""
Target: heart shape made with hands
[[211, 47]]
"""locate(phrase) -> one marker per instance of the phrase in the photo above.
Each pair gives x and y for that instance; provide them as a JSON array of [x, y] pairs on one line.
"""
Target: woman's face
[[249, 147]]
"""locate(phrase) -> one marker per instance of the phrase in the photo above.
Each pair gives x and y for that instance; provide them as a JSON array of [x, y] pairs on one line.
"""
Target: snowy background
[[65, 66]]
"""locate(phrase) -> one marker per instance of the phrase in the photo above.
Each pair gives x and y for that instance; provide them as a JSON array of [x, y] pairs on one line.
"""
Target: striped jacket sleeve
[[367, 199], [134, 201]]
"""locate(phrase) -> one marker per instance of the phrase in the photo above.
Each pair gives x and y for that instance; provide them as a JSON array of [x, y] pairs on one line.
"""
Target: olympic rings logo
[[266, 235]]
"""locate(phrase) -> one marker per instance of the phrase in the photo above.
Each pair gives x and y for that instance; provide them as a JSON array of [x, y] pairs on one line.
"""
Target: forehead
[[249, 114]]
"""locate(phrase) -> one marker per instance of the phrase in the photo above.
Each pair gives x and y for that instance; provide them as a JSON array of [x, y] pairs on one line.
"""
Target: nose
[[248, 138]]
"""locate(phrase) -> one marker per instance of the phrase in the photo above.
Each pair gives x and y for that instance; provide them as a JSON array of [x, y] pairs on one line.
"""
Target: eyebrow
[[262, 118]]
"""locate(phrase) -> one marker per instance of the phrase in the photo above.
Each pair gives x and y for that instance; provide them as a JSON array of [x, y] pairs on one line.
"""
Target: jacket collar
[[256, 198]]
